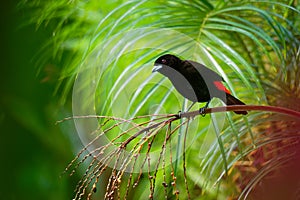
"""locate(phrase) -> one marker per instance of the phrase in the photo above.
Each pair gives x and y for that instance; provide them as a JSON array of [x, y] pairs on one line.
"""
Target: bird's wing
[[204, 71]]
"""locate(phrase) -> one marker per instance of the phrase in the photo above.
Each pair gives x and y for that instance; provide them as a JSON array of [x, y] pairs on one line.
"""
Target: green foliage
[[108, 50]]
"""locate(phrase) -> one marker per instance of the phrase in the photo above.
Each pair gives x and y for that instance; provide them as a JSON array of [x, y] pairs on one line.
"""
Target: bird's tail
[[231, 100]]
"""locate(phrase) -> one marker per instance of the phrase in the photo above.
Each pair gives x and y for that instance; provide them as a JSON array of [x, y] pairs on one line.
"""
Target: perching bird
[[194, 81]]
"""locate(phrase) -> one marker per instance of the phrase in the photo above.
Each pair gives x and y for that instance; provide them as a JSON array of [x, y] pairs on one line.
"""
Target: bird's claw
[[178, 116], [202, 111]]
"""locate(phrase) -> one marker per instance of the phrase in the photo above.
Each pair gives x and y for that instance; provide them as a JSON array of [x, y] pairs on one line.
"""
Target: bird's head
[[166, 61]]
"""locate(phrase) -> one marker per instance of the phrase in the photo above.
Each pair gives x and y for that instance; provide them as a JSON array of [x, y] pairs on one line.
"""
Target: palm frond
[[106, 51]]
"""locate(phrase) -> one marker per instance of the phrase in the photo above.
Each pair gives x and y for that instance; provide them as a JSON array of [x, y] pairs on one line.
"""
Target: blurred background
[[42, 46], [34, 151]]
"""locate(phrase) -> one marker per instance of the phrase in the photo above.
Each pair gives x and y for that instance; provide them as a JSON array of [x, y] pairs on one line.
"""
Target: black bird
[[194, 81]]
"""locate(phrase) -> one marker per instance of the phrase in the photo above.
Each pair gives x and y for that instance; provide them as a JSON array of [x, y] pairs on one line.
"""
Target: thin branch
[[94, 170], [276, 109], [184, 162]]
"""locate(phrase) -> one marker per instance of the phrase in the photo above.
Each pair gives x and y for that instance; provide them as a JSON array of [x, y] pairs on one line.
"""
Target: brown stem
[[276, 109]]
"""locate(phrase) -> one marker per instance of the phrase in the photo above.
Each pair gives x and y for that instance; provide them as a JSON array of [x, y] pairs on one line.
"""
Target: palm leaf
[[112, 56]]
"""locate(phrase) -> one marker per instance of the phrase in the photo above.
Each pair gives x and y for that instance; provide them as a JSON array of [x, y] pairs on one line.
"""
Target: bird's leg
[[202, 110], [179, 112], [190, 107]]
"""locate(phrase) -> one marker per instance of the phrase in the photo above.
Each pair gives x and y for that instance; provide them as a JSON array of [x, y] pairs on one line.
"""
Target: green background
[[34, 152]]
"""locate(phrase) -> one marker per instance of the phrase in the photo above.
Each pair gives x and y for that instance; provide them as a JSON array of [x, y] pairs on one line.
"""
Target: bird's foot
[[178, 116], [202, 111]]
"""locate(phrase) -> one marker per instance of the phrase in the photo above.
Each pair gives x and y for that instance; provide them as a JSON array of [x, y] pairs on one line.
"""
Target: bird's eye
[[164, 61]]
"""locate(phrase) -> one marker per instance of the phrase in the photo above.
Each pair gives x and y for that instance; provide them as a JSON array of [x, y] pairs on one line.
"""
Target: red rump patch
[[221, 87]]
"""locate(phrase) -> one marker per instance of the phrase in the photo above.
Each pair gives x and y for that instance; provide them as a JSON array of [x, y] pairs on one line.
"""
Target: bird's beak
[[157, 67]]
